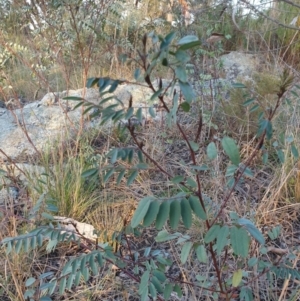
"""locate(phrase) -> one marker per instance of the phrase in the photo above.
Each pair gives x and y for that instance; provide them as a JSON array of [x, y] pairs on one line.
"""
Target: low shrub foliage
[[226, 248]]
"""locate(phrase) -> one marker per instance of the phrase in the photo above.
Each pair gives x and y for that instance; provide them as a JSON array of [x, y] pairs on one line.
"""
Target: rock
[[238, 64], [2, 104], [54, 117], [9, 195], [80, 229]]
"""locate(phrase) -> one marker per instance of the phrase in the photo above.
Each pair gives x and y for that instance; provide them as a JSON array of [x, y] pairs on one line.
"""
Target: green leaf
[[18, 246], [212, 151], [238, 85], [197, 207], [139, 114], [212, 234], [105, 100], [164, 235], [246, 294], [46, 215], [185, 106], [202, 167], [162, 215], [263, 124], [132, 177], [45, 298], [187, 39], [140, 156], [77, 278], [248, 102], [157, 283], [168, 291], [237, 277], [130, 155], [177, 179], [191, 182], [160, 276], [70, 281], [141, 211], [182, 56], [240, 241], [294, 151], [120, 176], [280, 155], [152, 112], [129, 113], [142, 166], [252, 261], [194, 145], [269, 130], [181, 73], [222, 239], [187, 91], [92, 82], [151, 213], [250, 227], [186, 213], [90, 172], [114, 155], [170, 37], [144, 282], [185, 251], [201, 254], [175, 212], [108, 174], [189, 45], [274, 232], [152, 291], [137, 73], [177, 290], [30, 281], [62, 285], [231, 150], [254, 108], [156, 94], [265, 157], [76, 98]]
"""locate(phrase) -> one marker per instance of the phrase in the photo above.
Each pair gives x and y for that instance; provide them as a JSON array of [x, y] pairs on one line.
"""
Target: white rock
[[82, 229]]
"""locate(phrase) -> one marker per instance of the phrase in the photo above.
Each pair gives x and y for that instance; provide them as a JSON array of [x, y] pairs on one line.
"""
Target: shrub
[[231, 251]]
